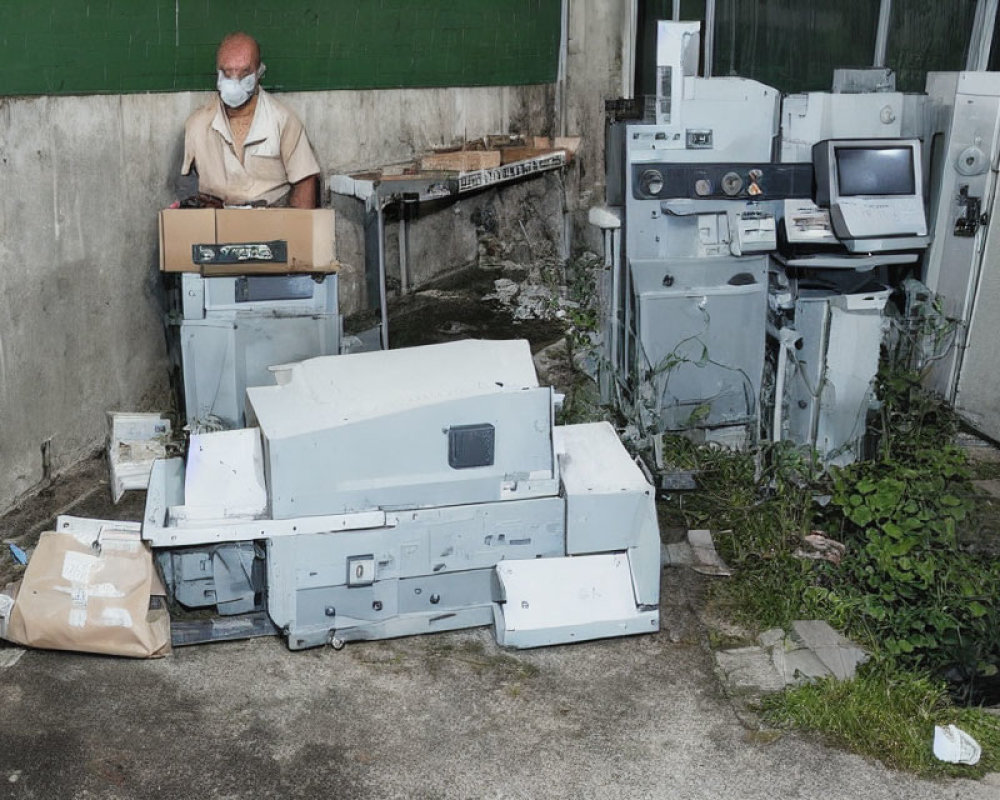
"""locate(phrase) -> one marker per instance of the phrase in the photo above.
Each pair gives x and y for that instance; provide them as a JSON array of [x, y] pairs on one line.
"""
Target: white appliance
[[963, 119]]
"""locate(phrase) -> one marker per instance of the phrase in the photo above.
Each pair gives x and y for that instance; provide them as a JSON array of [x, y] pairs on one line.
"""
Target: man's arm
[[303, 194]]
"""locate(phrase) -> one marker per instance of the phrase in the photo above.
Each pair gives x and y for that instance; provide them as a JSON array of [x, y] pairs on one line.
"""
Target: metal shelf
[[382, 191], [378, 191]]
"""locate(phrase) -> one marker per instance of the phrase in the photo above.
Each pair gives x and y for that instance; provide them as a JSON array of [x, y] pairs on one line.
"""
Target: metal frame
[[882, 33], [630, 30], [709, 37], [981, 38], [977, 58], [561, 112], [165, 480]]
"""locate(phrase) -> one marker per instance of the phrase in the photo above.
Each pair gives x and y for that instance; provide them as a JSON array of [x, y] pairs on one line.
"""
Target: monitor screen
[[875, 171]]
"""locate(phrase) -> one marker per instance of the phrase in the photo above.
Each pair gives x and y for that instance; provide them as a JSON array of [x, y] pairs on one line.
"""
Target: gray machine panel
[[701, 345], [701, 193], [373, 430], [805, 381], [831, 377], [609, 503], [235, 327], [277, 294], [409, 561], [226, 352], [963, 143], [447, 553]]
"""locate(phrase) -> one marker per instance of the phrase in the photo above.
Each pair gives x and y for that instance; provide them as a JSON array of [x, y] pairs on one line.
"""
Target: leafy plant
[[905, 585], [758, 504], [924, 608]]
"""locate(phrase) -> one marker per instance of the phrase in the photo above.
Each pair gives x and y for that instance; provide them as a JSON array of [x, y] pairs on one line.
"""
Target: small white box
[[134, 442]]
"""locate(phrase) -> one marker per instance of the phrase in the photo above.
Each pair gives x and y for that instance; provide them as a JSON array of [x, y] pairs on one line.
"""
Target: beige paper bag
[[92, 599]]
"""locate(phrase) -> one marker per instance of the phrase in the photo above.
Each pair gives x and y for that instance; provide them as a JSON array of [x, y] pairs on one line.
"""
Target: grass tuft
[[888, 715]]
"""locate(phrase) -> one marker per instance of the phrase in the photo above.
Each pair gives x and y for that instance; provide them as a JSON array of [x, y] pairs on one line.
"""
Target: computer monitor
[[874, 190]]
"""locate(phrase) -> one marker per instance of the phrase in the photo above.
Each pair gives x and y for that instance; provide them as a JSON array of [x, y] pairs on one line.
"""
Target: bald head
[[238, 55]]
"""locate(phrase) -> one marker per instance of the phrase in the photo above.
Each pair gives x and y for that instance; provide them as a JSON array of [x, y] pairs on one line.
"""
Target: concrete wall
[[594, 65], [82, 179]]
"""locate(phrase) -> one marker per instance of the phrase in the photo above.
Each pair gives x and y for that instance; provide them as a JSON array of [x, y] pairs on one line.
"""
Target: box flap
[[179, 229]]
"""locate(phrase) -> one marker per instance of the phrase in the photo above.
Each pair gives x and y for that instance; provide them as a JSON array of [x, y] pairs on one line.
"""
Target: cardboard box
[[508, 155], [461, 160], [308, 233], [179, 229]]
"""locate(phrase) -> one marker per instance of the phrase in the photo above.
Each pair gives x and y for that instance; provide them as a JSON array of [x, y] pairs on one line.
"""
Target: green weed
[[889, 715], [905, 588]]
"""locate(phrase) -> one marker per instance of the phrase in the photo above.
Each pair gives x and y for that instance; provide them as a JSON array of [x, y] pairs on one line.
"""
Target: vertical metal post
[[561, 76], [882, 33], [709, 36], [383, 301], [404, 265], [677, 11], [629, 32], [613, 244], [981, 38]]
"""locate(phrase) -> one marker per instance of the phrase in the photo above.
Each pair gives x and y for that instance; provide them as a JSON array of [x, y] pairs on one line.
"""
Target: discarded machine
[[747, 293], [410, 491], [686, 322]]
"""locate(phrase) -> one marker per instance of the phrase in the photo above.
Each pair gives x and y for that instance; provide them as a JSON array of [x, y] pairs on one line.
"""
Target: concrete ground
[[443, 716]]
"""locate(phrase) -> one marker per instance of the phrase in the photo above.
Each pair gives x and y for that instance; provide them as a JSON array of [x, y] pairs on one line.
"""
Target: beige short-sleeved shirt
[[276, 153]]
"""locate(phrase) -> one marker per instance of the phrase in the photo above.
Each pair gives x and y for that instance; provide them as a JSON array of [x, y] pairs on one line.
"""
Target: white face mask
[[236, 91]]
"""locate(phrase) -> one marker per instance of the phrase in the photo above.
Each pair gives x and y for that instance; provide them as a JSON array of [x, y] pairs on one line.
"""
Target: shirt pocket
[[266, 167]]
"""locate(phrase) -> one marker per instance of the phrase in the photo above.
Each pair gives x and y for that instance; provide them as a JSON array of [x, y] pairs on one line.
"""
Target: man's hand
[[303, 194]]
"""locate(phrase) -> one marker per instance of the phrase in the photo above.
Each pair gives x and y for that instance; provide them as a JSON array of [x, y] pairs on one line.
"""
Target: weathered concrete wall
[[81, 329], [522, 220], [443, 238], [80, 326], [594, 66]]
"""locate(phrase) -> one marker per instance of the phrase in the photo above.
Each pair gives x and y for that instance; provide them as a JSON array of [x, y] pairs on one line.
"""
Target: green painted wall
[[112, 46]]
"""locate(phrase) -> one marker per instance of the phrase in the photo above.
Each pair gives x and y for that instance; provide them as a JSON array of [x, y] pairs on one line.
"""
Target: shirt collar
[[259, 126], [262, 124]]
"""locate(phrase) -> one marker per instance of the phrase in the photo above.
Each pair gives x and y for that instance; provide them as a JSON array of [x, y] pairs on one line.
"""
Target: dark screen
[[875, 170]]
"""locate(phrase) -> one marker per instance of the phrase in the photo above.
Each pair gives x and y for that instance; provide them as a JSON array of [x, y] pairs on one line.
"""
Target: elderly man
[[247, 147]]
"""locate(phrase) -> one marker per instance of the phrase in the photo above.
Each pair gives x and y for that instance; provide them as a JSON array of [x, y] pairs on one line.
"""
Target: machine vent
[[471, 445]]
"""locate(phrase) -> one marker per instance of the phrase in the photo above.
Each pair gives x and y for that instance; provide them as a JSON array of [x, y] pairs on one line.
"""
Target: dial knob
[[732, 183], [651, 181], [703, 187]]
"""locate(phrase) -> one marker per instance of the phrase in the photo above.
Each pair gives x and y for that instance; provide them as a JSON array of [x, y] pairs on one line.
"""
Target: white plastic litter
[[955, 746]]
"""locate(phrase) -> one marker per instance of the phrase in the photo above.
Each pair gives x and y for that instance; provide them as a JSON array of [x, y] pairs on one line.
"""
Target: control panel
[[661, 181]]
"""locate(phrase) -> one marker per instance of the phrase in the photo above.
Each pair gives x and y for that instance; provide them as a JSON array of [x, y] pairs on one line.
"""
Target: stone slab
[[749, 669], [991, 487], [837, 653]]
